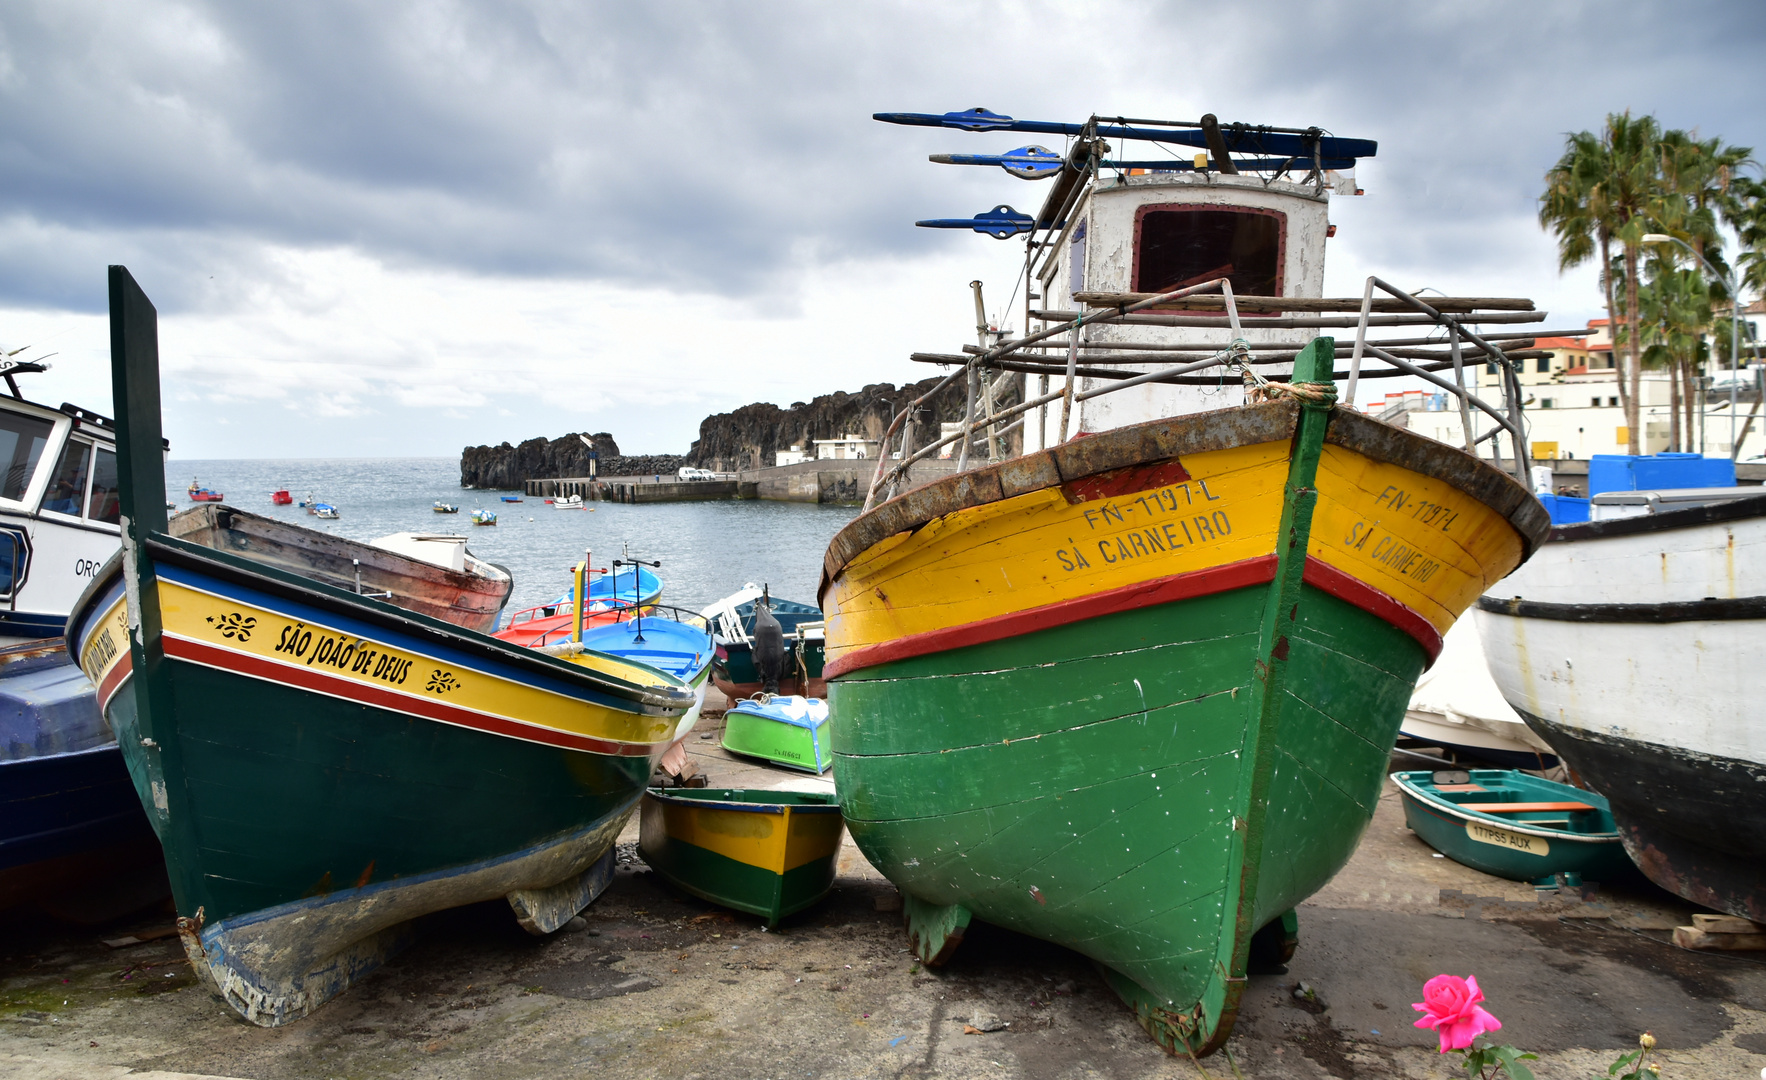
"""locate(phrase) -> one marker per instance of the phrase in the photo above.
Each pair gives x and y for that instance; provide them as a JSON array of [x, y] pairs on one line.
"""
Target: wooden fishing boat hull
[[769, 853], [322, 767], [345, 774], [1135, 695], [471, 598], [1629, 645], [806, 744], [1517, 846], [734, 673]]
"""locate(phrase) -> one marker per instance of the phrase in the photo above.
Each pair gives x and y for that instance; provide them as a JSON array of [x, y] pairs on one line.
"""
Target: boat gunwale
[[1668, 520], [1171, 438], [285, 585], [421, 569], [1711, 609], [1411, 791], [678, 798]]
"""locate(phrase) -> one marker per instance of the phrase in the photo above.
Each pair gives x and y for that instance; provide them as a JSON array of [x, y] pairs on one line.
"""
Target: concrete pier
[[823, 481]]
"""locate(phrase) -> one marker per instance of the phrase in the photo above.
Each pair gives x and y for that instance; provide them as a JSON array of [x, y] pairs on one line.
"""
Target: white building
[[1572, 406], [846, 448], [793, 456]]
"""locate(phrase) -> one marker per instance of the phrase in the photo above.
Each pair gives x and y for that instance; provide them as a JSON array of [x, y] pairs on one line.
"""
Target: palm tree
[[1749, 220], [1601, 191], [1675, 312]]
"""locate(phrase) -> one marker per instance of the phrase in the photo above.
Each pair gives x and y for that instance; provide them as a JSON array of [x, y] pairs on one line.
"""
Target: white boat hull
[[1629, 646]]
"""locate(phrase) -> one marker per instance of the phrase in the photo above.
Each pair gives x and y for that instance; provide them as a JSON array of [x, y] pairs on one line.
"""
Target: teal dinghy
[[1507, 823]]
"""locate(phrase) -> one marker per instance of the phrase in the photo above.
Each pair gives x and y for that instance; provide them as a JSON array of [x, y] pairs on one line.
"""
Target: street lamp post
[[1734, 330]]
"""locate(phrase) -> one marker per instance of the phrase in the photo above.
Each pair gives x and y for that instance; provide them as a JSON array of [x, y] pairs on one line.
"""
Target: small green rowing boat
[[786, 730], [769, 853], [1513, 825]]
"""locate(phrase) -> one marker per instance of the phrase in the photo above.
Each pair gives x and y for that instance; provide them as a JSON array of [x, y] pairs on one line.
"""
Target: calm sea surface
[[708, 550]]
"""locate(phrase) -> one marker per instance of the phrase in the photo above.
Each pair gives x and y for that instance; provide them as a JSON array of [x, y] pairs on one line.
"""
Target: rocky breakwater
[[506, 467], [743, 439], [750, 437]]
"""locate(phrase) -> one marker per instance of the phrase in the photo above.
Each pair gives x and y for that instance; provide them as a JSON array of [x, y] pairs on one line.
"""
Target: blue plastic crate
[[1565, 509], [1656, 472]]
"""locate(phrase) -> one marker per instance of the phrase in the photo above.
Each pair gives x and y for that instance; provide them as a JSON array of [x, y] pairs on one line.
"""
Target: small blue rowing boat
[[630, 586]]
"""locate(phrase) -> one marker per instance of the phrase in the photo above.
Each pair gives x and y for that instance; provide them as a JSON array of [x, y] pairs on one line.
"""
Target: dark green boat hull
[[1134, 723]]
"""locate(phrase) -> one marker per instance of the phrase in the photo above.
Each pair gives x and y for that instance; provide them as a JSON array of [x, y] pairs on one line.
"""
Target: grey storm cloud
[[726, 148]]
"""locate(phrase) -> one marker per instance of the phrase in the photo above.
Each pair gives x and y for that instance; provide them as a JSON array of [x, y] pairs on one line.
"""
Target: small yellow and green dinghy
[[769, 853]]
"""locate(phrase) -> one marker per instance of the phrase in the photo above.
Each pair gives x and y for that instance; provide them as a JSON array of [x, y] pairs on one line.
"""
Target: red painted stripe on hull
[[1326, 578], [1259, 571], [114, 678], [1215, 579], [198, 652]]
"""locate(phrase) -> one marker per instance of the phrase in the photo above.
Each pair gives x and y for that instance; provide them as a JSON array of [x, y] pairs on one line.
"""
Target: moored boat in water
[[484, 517], [1628, 644], [198, 493], [281, 497], [322, 767], [445, 508], [1134, 692]]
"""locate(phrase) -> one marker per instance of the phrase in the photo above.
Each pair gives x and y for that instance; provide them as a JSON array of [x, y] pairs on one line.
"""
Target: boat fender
[[769, 645]]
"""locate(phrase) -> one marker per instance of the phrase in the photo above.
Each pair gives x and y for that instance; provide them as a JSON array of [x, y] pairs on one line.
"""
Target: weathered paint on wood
[[1150, 782], [322, 768], [769, 853], [472, 599]]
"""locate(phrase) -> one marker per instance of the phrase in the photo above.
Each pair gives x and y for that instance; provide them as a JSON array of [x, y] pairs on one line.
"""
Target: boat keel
[[1700, 873], [271, 1005], [934, 930], [1178, 1034], [542, 911]]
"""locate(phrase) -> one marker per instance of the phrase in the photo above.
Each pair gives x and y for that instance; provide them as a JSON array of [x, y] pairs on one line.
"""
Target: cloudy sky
[[386, 228]]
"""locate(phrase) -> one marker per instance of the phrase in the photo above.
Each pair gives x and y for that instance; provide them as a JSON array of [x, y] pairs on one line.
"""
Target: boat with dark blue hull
[[73, 838]]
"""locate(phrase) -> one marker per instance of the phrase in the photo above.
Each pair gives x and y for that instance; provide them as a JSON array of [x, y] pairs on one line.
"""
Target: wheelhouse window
[[105, 504], [1176, 247], [67, 485], [22, 439]]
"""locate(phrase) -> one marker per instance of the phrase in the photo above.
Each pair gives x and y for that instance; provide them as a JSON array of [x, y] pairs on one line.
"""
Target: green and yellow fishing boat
[[1134, 692], [769, 853], [322, 767]]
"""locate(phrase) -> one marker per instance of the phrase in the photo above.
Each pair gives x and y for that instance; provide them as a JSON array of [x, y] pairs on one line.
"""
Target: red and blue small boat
[[198, 493]]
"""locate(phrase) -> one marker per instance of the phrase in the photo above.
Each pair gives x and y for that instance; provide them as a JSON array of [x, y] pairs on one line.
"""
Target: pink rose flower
[[1451, 1005]]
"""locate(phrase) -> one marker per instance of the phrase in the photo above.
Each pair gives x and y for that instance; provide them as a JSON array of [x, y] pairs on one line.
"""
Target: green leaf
[[1510, 1060], [1624, 1060]]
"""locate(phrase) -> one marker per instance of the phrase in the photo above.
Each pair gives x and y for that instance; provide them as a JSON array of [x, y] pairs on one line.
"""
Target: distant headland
[[745, 438]]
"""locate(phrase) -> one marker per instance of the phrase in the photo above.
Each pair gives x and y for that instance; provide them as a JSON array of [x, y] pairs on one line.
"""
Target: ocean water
[[708, 550]]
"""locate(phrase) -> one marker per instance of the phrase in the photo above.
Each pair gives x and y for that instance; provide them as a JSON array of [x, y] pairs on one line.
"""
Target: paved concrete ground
[[662, 985]]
